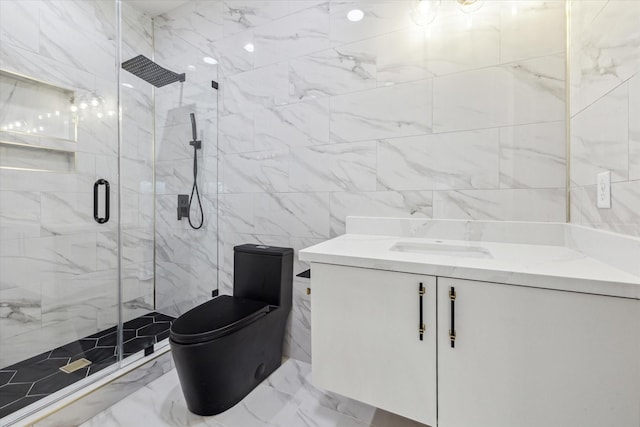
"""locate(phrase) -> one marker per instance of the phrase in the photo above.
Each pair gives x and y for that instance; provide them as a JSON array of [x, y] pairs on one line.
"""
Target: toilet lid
[[216, 318]]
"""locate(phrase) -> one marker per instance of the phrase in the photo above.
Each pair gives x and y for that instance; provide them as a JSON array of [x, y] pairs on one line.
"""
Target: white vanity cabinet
[[523, 356], [530, 357], [366, 338]]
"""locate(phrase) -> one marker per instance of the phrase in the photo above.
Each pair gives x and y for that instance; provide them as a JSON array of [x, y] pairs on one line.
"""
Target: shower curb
[[89, 401]]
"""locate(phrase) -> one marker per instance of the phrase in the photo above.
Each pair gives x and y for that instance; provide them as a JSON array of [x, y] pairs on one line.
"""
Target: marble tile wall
[[58, 267], [605, 112], [321, 118]]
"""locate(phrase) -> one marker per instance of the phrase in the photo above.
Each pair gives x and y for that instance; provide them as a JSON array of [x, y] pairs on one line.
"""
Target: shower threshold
[[30, 380]]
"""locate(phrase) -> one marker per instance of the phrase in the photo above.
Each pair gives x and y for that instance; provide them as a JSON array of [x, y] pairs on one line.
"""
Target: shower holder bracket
[[196, 144]]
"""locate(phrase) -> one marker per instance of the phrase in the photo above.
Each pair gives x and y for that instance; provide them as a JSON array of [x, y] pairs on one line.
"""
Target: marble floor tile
[[286, 398]]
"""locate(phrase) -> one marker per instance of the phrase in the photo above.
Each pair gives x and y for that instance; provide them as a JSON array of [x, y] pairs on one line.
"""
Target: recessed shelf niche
[[33, 158], [29, 106]]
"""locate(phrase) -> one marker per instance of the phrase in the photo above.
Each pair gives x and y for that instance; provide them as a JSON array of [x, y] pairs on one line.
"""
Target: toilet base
[[216, 375]]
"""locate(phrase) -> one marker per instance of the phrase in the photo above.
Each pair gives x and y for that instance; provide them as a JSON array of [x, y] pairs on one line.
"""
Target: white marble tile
[[634, 128], [520, 30], [20, 310], [297, 34], [44, 258], [604, 40], [237, 212], [505, 205], [402, 56], [600, 139], [80, 40], [533, 156], [380, 17], [20, 214], [199, 23], [255, 89], [79, 298], [236, 133], [230, 52], [292, 214], [517, 93], [240, 15], [293, 125], [459, 160], [255, 172], [19, 24], [335, 167], [336, 71], [457, 42], [378, 204], [623, 217], [386, 112], [70, 213], [180, 287]]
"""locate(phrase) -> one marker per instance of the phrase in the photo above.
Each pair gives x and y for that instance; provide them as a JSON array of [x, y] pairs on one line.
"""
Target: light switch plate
[[604, 190]]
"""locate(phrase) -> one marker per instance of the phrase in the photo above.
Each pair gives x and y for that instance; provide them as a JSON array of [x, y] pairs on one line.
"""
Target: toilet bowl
[[225, 347]]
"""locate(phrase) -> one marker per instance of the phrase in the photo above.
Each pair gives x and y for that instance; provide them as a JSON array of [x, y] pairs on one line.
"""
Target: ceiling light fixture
[[355, 15]]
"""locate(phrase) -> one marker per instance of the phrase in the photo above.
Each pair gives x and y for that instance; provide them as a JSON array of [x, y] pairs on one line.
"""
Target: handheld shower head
[[193, 127]]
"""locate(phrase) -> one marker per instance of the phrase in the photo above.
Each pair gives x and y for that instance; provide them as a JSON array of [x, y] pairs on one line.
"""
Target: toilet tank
[[263, 273]]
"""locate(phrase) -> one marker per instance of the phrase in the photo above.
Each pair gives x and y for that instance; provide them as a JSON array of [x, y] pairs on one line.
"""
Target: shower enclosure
[[94, 263]]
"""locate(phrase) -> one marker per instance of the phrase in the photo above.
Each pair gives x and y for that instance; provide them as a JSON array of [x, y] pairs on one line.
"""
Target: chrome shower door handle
[[107, 208]]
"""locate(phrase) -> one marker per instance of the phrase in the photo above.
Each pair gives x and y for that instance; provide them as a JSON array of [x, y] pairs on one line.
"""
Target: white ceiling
[[156, 7]]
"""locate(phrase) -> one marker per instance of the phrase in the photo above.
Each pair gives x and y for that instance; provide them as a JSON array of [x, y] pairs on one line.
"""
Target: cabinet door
[[530, 357], [365, 338]]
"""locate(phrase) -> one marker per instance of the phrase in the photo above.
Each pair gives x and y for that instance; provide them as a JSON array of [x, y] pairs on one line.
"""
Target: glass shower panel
[[186, 258], [58, 264]]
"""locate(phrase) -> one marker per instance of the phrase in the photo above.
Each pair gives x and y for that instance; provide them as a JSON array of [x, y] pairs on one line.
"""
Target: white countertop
[[550, 266]]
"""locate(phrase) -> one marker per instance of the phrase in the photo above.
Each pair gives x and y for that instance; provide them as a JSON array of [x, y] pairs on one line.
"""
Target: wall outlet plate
[[604, 190]]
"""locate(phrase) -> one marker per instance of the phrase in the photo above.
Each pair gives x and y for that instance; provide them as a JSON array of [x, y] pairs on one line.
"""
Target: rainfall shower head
[[149, 71]]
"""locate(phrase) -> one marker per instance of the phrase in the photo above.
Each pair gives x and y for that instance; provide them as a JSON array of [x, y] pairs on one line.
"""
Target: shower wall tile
[[237, 212], [232, 55], [335, 167], [240, 15], [343, 69], [199, 23], [19, 24], [386, 112], [263, 87], [456, 161], [236, 133], [533, 156], [20, 310], [297, 34], [20, 214], [293, 125], [517, 93]]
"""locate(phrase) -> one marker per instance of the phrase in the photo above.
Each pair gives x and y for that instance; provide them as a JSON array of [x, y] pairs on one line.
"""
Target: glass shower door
[[59, 296]]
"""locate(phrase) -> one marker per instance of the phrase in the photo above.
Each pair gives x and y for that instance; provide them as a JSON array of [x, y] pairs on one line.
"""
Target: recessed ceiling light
[[355, 15], [127, 85], [209, 60], [249, 47]]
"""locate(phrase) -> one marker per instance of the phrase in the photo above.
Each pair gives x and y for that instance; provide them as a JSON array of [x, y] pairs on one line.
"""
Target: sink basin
[[442, 249]]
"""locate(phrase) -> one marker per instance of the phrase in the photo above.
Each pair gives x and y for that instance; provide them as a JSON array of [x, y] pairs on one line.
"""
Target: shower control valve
[[183, 206]]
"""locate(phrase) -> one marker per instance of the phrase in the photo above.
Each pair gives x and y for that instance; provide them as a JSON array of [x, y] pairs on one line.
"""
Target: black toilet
[[225, 347]]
